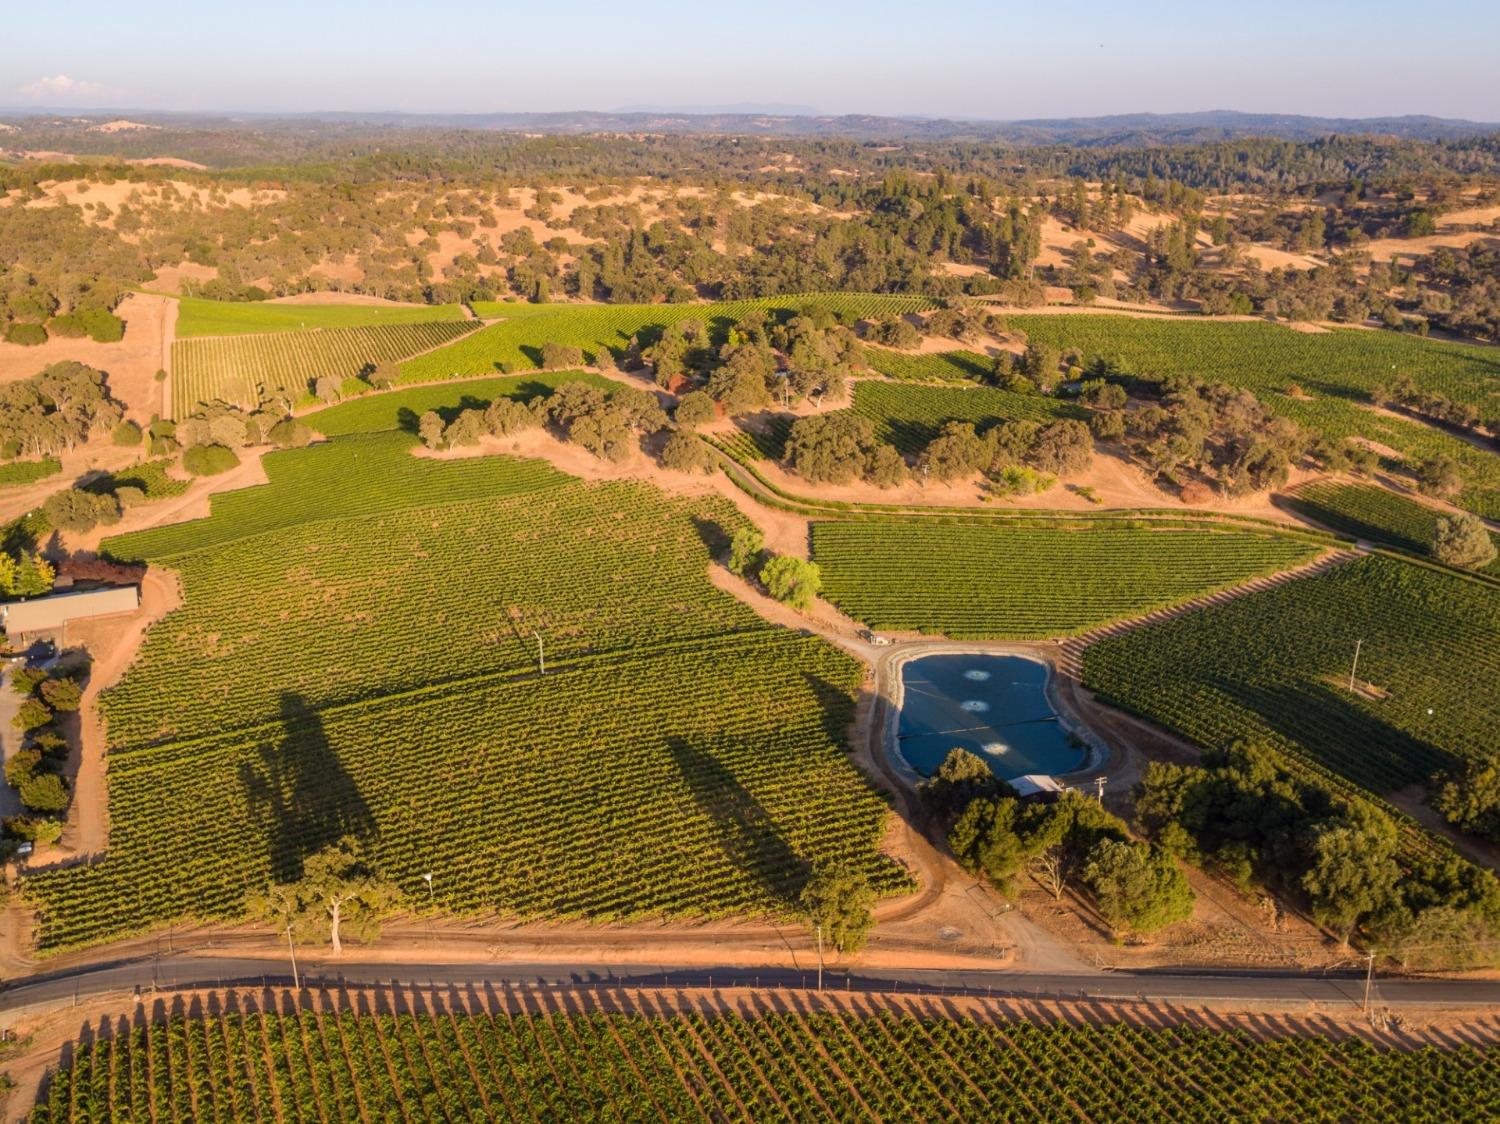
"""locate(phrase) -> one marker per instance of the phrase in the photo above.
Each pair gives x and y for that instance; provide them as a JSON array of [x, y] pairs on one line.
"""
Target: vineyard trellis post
[[291, 948]]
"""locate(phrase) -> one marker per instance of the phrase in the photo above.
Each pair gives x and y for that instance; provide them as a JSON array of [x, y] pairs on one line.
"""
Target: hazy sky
[[961, 58]]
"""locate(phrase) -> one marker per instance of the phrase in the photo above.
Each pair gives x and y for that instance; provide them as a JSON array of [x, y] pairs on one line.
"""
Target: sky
[[946, 58]]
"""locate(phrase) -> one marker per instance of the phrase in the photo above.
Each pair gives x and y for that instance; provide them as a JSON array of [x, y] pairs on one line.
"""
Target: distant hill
[[1134, 130]]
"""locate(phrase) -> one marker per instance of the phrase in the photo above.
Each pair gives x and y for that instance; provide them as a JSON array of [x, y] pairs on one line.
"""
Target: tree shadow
[[302, 789], [1341, 735], [712, 534], [749, 837]]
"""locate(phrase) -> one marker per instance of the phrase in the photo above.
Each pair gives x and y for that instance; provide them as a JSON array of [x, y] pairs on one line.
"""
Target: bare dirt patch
[[131, 363]]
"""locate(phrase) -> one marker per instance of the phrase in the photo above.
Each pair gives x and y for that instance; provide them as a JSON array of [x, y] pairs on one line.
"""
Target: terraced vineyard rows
[[976, 580], [232, 368], [910, 416], [765, 1066], [1338, 369], [1368, 512], [1275, 665], [604, 330], [199, 317]]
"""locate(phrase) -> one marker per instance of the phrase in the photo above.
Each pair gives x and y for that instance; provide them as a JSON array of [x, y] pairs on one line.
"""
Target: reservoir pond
[[993, 706]]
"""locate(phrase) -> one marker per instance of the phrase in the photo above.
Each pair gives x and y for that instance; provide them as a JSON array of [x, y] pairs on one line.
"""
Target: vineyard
[[411, 594], [974, 580], [1335, 370], [946, 366], [399, 409], [1275, 665], [1368, 512], [150, 477], [243, 369], [763, 438], [603, 331], [909, 416], [787, 1064], [28, 472], [199, 317]]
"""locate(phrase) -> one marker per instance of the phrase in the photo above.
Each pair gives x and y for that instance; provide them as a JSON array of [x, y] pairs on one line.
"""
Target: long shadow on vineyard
[[300, 789], [745, 831], [1340, 734]]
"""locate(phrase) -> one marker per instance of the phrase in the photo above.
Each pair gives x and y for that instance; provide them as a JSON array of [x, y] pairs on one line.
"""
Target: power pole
[[820, 957], [296, 980], [1369, 978], [1099, 788], [1355, 666], [541, 658]]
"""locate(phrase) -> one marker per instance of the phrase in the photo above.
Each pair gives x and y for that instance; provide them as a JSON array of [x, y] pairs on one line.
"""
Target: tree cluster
[[1245, 814]]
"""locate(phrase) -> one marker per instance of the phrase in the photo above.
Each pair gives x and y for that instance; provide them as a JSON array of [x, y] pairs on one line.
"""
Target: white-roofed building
[[52, 612]]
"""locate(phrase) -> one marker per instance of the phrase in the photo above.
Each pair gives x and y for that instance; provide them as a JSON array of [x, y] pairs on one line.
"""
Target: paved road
[[179, 972]]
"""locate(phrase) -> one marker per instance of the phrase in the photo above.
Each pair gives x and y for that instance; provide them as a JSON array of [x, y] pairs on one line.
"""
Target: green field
[[1337, 369], [1274, 666], [1372, 513], [971, 580], [755, 1063], [28, 472], [945, 366], [243, 369], [148, 476], [604, 330], [408, 595], [910, 416], [396, 409], [763, 439], [198, 317]]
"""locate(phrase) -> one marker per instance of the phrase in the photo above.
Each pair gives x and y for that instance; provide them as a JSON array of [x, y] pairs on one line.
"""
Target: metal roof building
[[46, 614]]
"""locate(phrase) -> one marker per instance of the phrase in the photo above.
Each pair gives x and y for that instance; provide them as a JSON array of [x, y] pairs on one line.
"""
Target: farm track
[[1070, 658]]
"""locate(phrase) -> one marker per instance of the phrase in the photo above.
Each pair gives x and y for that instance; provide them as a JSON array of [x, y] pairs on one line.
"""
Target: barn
[[50, 614]]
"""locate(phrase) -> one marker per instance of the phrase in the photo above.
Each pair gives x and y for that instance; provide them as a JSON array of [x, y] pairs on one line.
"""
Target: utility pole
[[1099, 788], [296, 980], [820, 957], [541, 662], [1355, 665], [1369, 978]]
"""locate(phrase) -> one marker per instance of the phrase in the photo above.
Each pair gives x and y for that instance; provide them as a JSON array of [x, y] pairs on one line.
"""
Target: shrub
[[25, 680], [695, 408], [74, 510], [1462, 540], [27, 335], [289, 433], [685, 453], [37, 830], [62, 694], [745, 550], [126, 434], [32, 714], [99, 324], [208, 460], [45, 792], [792, 581]]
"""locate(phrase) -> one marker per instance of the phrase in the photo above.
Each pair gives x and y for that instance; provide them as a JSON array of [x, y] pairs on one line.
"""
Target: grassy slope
[[198, 317]]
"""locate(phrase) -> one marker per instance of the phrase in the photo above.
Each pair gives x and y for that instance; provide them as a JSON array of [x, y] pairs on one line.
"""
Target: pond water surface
[[994, 706]]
